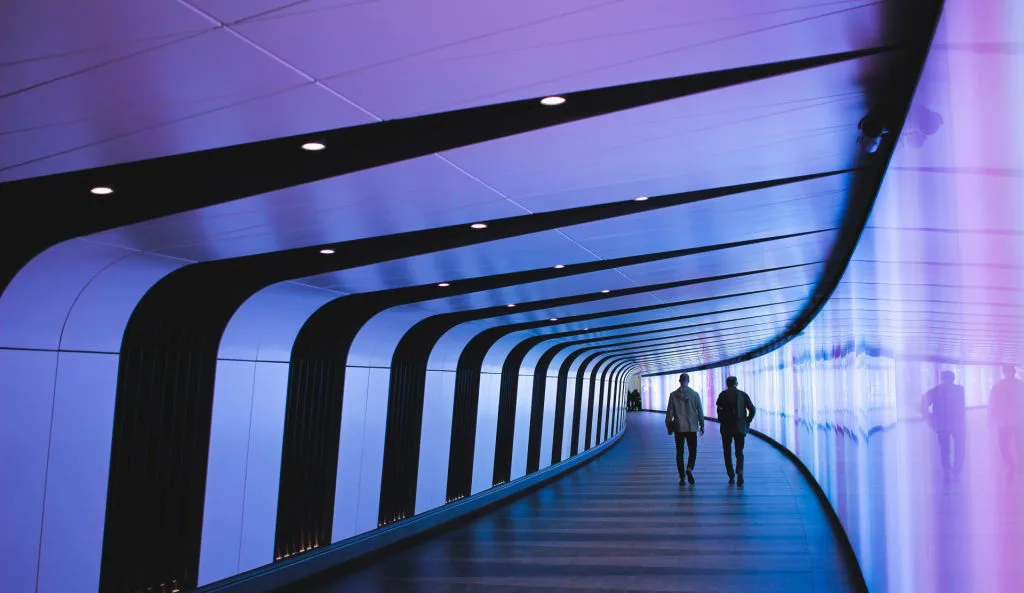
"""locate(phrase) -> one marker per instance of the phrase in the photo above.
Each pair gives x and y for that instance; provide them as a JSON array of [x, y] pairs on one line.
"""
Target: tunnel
[[387, 295]]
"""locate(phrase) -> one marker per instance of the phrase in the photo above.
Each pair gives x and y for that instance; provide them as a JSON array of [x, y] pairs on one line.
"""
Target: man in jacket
[[735, 412], [684, 418], [943, 408]]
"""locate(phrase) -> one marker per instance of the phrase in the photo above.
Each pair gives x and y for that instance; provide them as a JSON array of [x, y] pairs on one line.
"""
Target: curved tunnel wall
[[930, 497], [59, 373]]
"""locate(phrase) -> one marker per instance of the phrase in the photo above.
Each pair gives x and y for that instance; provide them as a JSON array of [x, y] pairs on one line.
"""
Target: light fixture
[[101, 190], [640, 199], [559, 266], [327, 251], [605, 291], [314, 146], [552, 101], [554, 319], [511, 305], [444, 284], [478, 225]]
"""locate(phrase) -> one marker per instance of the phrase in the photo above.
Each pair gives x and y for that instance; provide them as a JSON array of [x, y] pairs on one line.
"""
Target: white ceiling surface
[[90, 84]]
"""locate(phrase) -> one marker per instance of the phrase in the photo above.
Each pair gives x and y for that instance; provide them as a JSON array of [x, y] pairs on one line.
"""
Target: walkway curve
[[623, 523]]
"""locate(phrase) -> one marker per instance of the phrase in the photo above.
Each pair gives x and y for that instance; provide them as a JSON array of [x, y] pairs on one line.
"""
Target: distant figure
[[943, 408], [634, 401], [684, 418], [735, 413], [1004, 411]]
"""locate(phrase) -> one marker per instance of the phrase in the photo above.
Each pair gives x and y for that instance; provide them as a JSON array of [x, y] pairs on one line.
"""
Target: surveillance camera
[[873, 127]]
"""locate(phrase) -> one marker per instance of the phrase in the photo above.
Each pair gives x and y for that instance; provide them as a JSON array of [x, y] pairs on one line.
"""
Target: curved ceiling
[[736, 121]]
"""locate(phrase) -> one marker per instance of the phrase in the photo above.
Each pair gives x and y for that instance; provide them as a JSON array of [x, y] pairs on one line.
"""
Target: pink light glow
[[936, 284]]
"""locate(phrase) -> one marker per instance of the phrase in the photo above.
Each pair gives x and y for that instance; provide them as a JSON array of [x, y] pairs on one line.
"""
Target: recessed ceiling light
[[554, 319], [101, 190], [314, 146], [559, 266], [605, 291], [443, 284], [552, 101], [478, 225], [511, 305], [327, 251], [640, 199]]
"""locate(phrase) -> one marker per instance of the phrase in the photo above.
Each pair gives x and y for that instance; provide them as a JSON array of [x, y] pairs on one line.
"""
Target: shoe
[[732, 480], [681, 481], [689, 476], [739, 480]]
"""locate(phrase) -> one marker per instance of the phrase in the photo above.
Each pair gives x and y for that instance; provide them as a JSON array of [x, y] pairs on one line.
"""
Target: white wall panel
[[521, 428], [350, 452], [498, 353], [445, 355], [373, 449], [77, 471], [435, 440], [27, 381], [98, 317], [263, 465], [374, 344], [225, 472], [567, 423], [35, 304], [265, 326], [584, 405], [548, 426], [486, 432]]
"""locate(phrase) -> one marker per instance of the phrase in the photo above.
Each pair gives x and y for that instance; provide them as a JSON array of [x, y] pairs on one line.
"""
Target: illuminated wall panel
[[935, 285]]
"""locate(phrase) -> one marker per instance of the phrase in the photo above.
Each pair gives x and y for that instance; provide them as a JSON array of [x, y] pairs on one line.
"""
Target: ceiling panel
[[494, 52]]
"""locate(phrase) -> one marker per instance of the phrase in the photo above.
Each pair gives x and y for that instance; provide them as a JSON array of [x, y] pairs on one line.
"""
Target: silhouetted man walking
[[683, 418], [943, 408], [735, 413], [1005, 407]]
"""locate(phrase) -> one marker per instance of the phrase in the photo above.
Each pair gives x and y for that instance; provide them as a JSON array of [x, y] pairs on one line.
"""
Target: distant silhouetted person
[[735, 413], [1004, 411], [943, 407], [684, 418], [634, 400]]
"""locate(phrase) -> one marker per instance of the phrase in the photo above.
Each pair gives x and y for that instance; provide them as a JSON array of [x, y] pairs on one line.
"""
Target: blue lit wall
[[934, 285]]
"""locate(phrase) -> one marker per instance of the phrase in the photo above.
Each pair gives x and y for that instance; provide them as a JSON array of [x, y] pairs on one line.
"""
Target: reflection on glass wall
[[904, 397]]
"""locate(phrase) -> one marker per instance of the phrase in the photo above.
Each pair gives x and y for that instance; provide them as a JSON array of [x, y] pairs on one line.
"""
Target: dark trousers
[[951, 450], [684, 439], [1009, 437], [727, 440]]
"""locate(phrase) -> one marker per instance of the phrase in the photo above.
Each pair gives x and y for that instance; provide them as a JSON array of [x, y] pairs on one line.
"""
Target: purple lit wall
[[934, 285]]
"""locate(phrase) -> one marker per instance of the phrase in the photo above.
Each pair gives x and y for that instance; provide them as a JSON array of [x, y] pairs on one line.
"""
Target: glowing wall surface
[[935, 285]]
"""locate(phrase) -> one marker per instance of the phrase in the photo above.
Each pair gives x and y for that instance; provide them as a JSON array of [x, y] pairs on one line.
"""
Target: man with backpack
[[683, 418], [735, 412]]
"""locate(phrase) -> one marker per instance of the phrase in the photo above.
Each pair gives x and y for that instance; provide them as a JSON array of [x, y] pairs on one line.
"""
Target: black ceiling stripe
[[59, 206], [917, 23]]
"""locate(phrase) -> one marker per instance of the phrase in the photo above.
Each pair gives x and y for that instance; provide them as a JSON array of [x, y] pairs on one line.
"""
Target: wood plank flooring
[[623, 523]]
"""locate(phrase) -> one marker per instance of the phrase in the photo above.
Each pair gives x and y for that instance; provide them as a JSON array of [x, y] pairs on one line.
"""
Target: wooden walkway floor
[[623, 523]]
